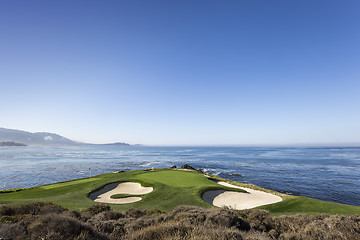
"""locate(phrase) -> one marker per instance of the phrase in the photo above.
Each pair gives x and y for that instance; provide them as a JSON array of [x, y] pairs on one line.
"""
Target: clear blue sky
[[182, 72]]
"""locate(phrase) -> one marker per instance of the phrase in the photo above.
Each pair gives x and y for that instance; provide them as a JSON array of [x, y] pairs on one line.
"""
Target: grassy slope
[[171, 188], [296, 204]]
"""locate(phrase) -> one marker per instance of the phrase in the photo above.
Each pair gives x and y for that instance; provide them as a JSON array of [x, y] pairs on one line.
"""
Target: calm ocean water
[[331, 174]]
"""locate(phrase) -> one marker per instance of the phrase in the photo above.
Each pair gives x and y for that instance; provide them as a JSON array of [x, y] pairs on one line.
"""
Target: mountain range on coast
[[39, 138]]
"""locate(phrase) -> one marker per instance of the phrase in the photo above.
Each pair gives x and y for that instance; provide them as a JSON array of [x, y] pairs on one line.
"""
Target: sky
[[184, 72]]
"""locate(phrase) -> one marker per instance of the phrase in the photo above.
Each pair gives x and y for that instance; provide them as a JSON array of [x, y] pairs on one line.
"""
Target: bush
[[135, 213], [153, 211], [163, 231], [6, 210], [98, 208], [48, 221], [39, 208], [35, 208], [13, 219], [74, 214], [50, 226]]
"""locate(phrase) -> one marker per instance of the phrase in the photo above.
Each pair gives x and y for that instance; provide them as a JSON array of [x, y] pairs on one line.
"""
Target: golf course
[[166, 189]]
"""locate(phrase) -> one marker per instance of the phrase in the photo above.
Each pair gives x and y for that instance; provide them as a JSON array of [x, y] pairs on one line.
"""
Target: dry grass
[[48, 221]]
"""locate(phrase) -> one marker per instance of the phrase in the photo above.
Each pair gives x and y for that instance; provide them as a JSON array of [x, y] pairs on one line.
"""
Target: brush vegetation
[[48, 221], [172, 188]]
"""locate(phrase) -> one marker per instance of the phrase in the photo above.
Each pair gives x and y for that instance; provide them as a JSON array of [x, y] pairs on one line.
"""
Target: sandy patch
[[238, 200], [103, 195]]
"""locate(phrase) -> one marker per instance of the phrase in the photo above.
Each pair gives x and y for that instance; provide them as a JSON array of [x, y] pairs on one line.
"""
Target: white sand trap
[[104, 194], [238, 200]]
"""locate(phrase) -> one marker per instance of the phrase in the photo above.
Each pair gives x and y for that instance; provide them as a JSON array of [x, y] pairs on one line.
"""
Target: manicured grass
[[171, 188], [175, 178], [117, 196], [296, 204], [12, 190], [64, 184]]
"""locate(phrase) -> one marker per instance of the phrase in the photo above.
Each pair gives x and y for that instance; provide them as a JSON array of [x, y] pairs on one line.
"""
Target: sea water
[[328, 173]]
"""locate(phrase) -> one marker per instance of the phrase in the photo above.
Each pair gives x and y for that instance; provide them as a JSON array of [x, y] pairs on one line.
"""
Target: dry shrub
[[226, 218], [98, 208], [204, 232], [108, 227], [161, 231], [38, 208], [258, 219], [13, 219], [6, 210], [106, 222], [184, 222], [187, 215], [135, 213], [153, 211], [258, 214], [54, 227], [15, 231], [35, 208], [140, 223], [256, 235], [331, 227], [108, 215], [74, 214]]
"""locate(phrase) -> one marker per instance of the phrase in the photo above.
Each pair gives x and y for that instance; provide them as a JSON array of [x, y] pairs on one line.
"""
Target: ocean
[[327, 173]]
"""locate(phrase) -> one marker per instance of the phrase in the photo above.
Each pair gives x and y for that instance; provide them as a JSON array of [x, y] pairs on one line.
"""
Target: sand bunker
[[104, 194], [238, 200]]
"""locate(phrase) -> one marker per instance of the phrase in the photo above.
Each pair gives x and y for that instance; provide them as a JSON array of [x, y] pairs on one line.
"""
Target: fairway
[[65, 184], [298, 204]]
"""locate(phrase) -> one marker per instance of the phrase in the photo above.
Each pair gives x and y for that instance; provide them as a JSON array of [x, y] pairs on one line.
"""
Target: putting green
[[175, 178]]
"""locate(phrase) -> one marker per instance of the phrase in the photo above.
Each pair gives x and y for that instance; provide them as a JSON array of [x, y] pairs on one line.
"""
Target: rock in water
[[186, 166]]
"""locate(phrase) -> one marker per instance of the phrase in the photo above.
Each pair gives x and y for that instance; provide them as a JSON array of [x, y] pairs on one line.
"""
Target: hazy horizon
[[183, 73], [309, 144]]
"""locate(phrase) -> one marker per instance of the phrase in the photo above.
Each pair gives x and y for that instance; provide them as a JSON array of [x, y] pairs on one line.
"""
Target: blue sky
[[183, 72]]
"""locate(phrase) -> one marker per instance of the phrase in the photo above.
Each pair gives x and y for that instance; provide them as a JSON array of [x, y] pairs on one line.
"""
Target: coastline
[[294, 171], [184, 187]]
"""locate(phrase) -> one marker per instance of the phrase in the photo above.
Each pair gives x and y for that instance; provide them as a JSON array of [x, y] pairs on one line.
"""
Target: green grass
[[296, 204], [117, 196], [12, 190], [64, 184], [177, 179], [171, 188]]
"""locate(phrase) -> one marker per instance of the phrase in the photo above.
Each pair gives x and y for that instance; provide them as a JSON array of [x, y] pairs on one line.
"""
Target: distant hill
[[116, 144], [38, 138], [11, 144]]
